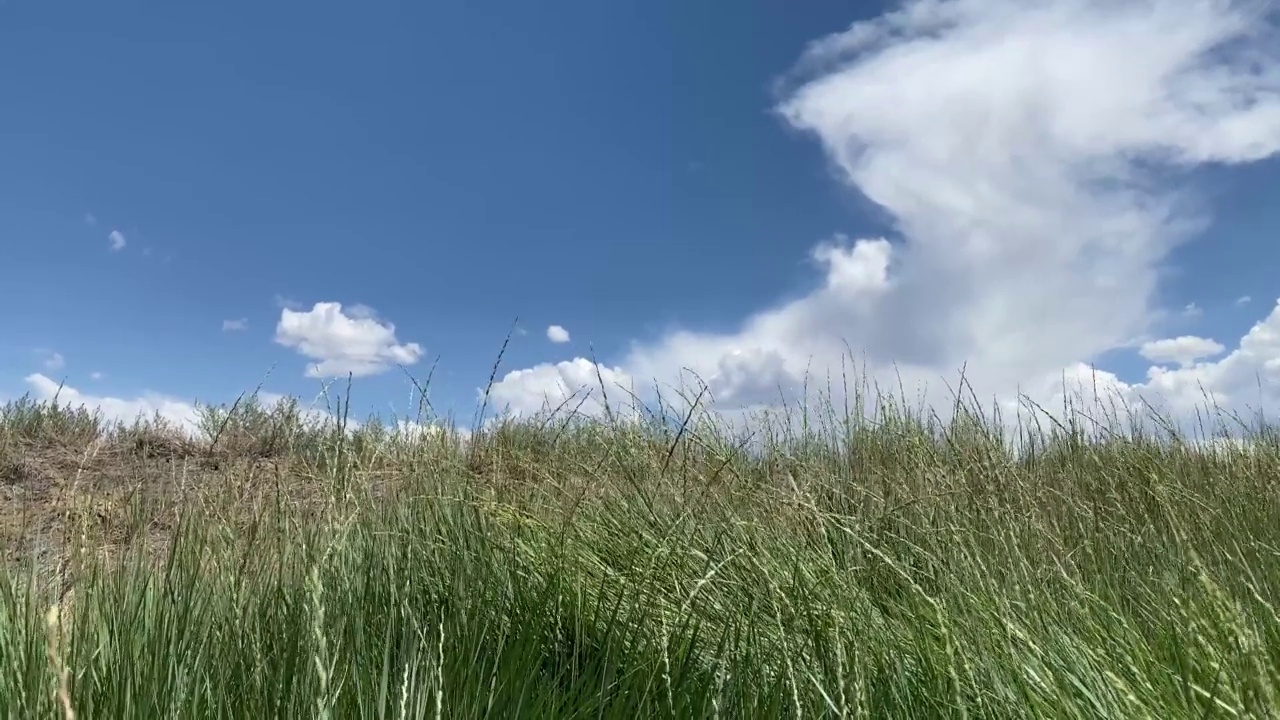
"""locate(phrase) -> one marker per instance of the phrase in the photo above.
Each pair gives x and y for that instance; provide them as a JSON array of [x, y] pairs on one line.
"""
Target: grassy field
[[827, 566]]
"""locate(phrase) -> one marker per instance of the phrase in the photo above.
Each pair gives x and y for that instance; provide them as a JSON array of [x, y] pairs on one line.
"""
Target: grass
[[831, 565]]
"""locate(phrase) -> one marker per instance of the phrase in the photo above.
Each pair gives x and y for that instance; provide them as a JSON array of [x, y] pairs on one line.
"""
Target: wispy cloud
[[286, 303], [557, 334], [1192, 310], [116, 239], [341, 342], [54, 361], [96, 375], [235, 325], [1243, 300], [1182, 350], [90, 220]]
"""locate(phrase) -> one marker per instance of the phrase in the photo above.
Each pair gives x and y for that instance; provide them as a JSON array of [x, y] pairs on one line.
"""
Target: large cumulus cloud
[[1036, 158]]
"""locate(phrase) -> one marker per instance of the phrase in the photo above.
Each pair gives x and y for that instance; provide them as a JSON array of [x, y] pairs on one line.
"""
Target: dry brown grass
[[129, 486]]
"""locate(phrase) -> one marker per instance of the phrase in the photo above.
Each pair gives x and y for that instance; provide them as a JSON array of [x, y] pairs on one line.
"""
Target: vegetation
[[829, 565]]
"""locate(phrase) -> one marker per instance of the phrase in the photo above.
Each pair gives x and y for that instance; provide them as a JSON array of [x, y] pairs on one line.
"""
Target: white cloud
[[286, 302], [116, 238], [1243, 300], [95, 375], [1183, 350], [570, 384], [1245, 380], [557, 334], [90, 220], [340, 342], [1192, 310], [181, 413], [1033, 204], [234, 325], [54, 361]]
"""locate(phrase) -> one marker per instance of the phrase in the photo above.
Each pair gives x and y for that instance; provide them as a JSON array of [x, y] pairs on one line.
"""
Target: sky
[[199, 200]]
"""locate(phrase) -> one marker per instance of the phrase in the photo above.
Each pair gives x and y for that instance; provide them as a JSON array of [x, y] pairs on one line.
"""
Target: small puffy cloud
[[116, 238], [54, 361], [183, 414], [557, 334], [235, 325], [548, 386], [1035, 208], [95, 375], [1192, 310], [1247, 378], [1182, 350], [339, 342], [1243, 300]]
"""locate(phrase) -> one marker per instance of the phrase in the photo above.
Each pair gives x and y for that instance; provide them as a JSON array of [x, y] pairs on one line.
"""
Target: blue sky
[[676, 185]]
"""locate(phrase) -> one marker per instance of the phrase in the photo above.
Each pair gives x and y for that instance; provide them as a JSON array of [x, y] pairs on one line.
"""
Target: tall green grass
[[882, 567]]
